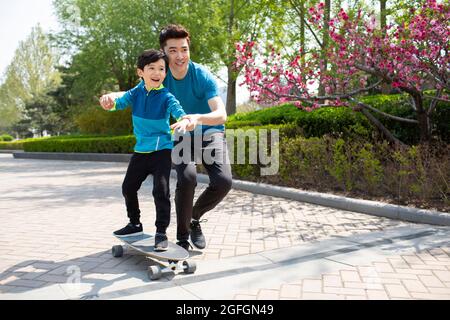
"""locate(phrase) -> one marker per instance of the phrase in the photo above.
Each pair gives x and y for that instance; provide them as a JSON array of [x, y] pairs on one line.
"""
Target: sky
[[17, 18]]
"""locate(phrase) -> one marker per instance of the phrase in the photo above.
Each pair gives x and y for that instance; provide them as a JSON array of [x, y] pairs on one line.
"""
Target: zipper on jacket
[[157, 144]]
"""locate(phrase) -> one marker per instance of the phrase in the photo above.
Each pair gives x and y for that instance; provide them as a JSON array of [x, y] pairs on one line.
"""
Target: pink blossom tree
[[410, 58]]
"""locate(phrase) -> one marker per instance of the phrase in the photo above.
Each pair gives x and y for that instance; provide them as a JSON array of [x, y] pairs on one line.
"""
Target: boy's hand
[[107, 101], [180, 126]]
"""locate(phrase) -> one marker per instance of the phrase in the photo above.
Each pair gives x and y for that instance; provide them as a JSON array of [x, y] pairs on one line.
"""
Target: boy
[[152, 105]]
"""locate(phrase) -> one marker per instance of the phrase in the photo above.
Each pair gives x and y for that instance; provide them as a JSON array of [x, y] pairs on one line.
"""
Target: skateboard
[[173, 259]]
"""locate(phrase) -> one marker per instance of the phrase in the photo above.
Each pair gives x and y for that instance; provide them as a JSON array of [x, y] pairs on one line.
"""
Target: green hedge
[[344, 122], [13, 145], [416, 175], [6, 137], [122, 144], [332, 121]]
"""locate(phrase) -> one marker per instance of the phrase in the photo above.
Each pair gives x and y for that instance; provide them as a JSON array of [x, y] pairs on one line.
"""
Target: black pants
[[219, 172], [141, 165]]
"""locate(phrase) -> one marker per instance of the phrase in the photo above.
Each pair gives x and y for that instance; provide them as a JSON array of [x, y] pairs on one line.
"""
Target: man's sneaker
[[197, 237], [129, 230], [161, 242], [184, 244]]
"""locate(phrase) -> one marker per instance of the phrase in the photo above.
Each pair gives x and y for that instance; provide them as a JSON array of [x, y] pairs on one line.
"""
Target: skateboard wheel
[[189, 266], [154, 272], [117, 251]]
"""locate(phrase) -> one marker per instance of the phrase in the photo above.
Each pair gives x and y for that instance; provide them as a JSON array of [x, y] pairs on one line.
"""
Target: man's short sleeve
[[211, 88]]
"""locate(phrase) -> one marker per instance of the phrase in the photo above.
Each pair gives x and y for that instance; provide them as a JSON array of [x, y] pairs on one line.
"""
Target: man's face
[[178, 52], [153, 73]]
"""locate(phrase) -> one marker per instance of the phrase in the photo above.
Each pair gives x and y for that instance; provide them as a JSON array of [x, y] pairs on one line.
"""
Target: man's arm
[[217, 116]]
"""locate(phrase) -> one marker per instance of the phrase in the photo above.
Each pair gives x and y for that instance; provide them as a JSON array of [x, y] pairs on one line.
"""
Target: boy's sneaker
[[161, 242], [197, 237], [129, 230], [184, 244]]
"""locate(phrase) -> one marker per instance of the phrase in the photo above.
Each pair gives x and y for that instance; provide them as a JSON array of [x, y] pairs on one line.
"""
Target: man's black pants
[[219, 172]]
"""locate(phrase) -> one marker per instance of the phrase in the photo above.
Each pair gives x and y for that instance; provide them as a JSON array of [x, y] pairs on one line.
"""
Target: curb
[[10, 151], [328, 200]]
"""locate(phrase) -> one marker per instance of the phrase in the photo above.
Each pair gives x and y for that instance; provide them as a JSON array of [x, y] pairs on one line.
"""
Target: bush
[[122, 144], [346, 123], [13, 145], [416, 175], [6, 137], [340, 122], [95, 120]]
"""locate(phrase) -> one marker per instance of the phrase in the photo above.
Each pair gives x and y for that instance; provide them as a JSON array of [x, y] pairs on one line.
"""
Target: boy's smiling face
[[153, 74]]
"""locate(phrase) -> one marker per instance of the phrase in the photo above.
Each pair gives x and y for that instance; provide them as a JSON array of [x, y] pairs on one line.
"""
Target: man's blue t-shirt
[[194, 91]]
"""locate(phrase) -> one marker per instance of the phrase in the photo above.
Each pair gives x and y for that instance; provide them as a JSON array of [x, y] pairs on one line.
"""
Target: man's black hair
[[173, 31], [150, 56]]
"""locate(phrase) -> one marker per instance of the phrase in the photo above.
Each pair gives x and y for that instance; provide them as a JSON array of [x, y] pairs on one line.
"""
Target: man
[[194, 86]]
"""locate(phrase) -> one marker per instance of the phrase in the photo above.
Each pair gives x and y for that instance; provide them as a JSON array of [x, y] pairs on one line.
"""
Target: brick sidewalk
[[57, 214], [423, 275]]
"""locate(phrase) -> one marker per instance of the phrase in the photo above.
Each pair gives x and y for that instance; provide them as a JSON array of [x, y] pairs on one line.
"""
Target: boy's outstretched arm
[[107, 100], [116, 100]]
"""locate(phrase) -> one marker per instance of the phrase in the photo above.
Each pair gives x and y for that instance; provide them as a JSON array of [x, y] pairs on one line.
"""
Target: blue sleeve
[[174, 107], [126, 100], [211, 88], [123, 102]]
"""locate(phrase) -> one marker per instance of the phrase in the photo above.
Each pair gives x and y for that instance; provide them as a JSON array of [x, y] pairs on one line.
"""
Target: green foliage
[[114, 34], [346, 123], [28, 77], [95, 120], [342, 167], [415, 175], [122, 144], [6, 137], [370, 168], [335, 121]]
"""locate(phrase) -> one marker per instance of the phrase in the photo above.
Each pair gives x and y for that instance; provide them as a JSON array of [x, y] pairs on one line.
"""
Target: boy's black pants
[[158, 164]]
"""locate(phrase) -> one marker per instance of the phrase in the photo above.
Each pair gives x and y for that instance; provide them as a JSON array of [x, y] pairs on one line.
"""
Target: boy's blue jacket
[[151, 112]]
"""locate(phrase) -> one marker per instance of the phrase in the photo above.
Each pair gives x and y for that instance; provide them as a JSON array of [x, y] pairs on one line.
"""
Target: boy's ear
[[140, 73]]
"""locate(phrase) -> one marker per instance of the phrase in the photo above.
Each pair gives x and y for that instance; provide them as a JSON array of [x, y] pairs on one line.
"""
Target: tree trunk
[[302, 33], [231, 88], [424, 120], [385, 88], [231, 91], [326, 36]]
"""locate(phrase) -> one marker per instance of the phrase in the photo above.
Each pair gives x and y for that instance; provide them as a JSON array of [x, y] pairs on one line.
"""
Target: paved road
[[56, 220]]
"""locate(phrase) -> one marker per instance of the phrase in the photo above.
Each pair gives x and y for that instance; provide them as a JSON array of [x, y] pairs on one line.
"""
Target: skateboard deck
[[145, 243]]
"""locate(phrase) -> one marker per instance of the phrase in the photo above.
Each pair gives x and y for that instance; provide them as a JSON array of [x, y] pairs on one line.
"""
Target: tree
[[216, 25], [104, 41], [409, 57], [30, 75]]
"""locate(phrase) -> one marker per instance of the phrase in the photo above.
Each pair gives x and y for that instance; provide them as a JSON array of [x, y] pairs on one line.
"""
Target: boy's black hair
[[173, 31], [150, 56]]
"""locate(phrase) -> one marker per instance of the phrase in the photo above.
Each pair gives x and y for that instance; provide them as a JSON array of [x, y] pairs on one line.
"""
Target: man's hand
[[181, 126], [107, 101], [193, 121]]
